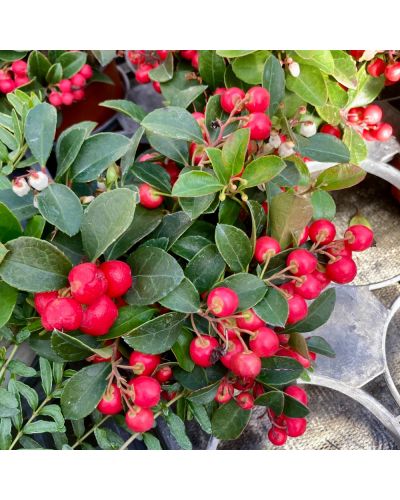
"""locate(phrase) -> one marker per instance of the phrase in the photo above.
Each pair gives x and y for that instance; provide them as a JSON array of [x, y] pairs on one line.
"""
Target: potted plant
[[185, 280]]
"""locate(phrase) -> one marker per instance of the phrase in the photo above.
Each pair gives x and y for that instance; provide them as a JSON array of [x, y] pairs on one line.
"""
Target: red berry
[[164, 373], [86, 71], [188, 54], [264, 342], [148, 197], [195, 61], [139, 419], [322, 278], [340, 249], [246, 365], [266, 246], [88, 283], [249, 320], [234, 347], [298, 393], [355, 115], [19, 68], [312, 355], [368, 135], [376, 67], [383, 133], [289, 353], [65, 85], [78, 94], [67, 98], [230, 97], [99, 317], [136, 56], [258, 390], [62, 313], [310, 288], [55, 99], [173, 171], [245, 400], [162, 54], [357, 53], [199, 117], [302, 262], [142, 363], [157, 87], [119, 277], [392, 72], [358, 238], [111, 402], [342, 271], [258, 100], [78, 81], [295, 427], [298, 309], [21, 80], [196, 153], [145, 391], [201, 350], [219, 91], [7, 85], [288, 287], [142, 73], [331, 130], [277, 436], [372, 114], [222, 301], [303, 236], [259, 125], [224, 392], [42, 299], [322, 231]]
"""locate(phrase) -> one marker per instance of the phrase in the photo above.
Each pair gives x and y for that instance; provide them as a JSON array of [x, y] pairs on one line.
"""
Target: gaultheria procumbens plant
[[182, 278]]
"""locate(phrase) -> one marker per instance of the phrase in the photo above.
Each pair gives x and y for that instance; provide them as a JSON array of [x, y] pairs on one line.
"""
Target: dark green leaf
[[325, 148], [199, 377], [196, 183], [318, 313], [40, 129], [309, 85], [157, 335], [106, 219], [278, 370], [272, 399], [194, 207], [248, 287], [229, 421], [211, 68], [71, 62], [234, 246], [320, 346], [173, 226], [8, 300], [55, 73], [249, 68], [234, 151], [38, 66], [273, 308], [108, 439], [151, 442], [177, 428], [201, 415], [84, 390], [274, 81], [175, 149], [205, 268], [155, 274], [181, 350], [205, 394], [129, 318], [34, 265], [324, 206], [60, 206], [173, 122], [164, 71], [183, 98], [294, 409], [28, 393], [35, 226], [184, 298], [340, 177], [262, 170], [356, 144], [128, 108], [152, 174]]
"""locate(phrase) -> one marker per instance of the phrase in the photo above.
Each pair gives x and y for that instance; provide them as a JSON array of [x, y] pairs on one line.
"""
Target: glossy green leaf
[[234, 246], [211, 68], [55, 73], [321, 59], [273, 80], [157, 335], [249, 68], [194, 207], [183, 98], [273, 308], [229, 421], [181, 350], [38, 66], [272, 399], [129, 318], [318, 313], [324, 206], [152, 174], [72, 62], [40, 129], [106, 219], [155, 274], [84, 390], [8, 300], [35, 226], [205, 394], [248, 287], [128, 108], [320, 346], [76, 347], [96, 154], [10, 228], [34, 265], [196, 183], [262, 170], [188, 246], [340, 177], [278, 370], [356, 144], [173, 122], [184, 298], [175, 149], [325, 148], [309, 85], [344, 68], [177, 428], [46, 375], [164, 71], [294, 409], [205, 268], [234, 151], [60, 206]]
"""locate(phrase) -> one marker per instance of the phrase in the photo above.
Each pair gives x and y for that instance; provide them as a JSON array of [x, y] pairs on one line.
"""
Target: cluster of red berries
[[70, 90], [368, 120], [15, 76], [89, 304], [378, 66], [140, 394], [145, 61]]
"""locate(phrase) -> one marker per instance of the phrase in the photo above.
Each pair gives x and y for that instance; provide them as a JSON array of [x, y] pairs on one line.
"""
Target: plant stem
[[7, 362], [134, 436], [81, 439], [33, 416]]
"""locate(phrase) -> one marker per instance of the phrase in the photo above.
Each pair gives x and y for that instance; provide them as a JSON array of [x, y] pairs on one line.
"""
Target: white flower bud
[[286, 149], [86, 199], [101, 186], [294, 69], [38, 180], [35, 202], [20, 187], [275, 141], [308, 129]]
